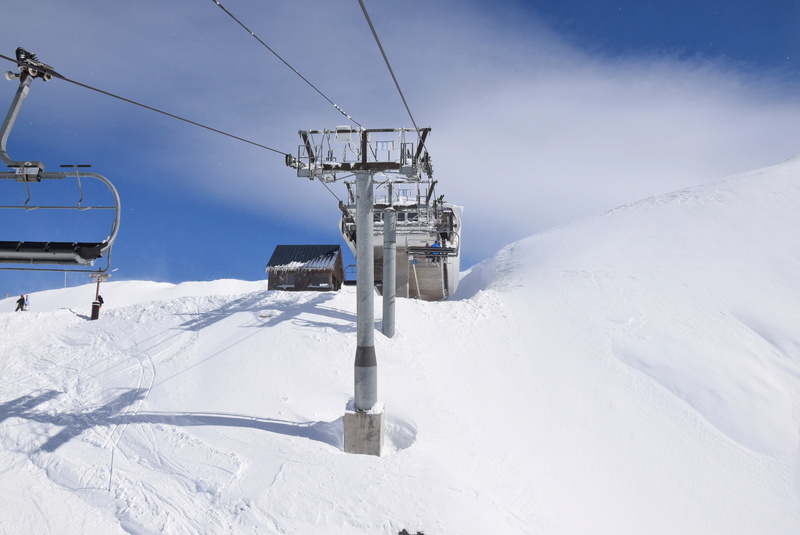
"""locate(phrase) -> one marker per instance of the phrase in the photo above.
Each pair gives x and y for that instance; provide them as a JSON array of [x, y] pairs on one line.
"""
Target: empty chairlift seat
[[61, 253]]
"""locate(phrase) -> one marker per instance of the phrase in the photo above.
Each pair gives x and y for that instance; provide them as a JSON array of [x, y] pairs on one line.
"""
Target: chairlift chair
[[78, 254]]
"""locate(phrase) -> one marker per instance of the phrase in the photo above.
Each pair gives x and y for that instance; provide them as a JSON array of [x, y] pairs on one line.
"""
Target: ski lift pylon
[[79, 254]]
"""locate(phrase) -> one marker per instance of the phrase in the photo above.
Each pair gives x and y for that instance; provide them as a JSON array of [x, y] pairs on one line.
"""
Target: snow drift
[[634, 372]]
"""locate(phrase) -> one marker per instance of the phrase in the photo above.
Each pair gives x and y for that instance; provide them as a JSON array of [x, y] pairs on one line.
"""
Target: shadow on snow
[[113, 413], [280, 312]]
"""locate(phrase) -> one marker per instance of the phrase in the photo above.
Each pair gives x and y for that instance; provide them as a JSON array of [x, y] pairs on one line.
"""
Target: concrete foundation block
[[364, 431]]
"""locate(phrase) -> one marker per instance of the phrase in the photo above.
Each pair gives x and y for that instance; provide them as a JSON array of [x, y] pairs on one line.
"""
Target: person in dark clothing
[[20, 303], [100, 299]]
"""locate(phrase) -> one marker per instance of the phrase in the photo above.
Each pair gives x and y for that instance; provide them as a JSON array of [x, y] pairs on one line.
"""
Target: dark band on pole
[[365, 357]]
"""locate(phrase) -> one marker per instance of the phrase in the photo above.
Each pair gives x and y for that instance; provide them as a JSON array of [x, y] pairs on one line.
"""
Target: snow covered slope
[[635, 372]]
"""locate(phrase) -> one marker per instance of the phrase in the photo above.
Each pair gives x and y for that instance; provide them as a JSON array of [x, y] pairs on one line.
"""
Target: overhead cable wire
[[386, 59], [329, 189], [257, 38], [145, 106]]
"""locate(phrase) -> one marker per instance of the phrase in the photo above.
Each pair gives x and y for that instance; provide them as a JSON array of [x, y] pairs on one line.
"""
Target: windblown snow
[[635, 372]]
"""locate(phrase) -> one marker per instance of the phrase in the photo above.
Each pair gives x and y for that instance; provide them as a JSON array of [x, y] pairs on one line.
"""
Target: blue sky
[[542, 112], [762, 34]]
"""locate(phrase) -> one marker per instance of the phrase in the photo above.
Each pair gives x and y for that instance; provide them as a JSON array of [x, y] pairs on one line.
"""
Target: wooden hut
[[306, 268]]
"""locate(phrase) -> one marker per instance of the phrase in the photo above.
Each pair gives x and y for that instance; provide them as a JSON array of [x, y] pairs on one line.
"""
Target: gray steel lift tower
[[363, 153]]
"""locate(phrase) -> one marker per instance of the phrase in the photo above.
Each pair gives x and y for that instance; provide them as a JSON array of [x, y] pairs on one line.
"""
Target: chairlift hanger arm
[[29, 68]]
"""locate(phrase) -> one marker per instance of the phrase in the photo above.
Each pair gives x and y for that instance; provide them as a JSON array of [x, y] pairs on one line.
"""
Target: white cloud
[[548, 134]]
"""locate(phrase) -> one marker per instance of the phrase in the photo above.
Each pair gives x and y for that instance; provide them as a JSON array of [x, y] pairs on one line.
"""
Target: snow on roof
[[304, 257]]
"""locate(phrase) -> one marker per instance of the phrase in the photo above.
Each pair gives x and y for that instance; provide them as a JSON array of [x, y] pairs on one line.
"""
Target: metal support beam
[[11, 118], [389, 270], [366, 364]]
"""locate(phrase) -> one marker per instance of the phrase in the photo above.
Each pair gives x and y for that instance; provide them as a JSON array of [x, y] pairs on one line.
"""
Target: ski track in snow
[[100, 386]]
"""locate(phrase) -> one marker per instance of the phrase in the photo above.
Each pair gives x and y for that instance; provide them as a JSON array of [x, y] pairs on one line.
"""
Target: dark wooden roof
[[305, 257]]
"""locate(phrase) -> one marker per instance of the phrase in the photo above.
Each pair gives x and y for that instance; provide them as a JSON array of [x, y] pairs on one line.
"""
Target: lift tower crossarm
[[367, 156]]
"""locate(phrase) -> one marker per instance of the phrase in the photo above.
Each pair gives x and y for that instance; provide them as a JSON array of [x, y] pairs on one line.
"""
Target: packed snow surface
[[635, 372]]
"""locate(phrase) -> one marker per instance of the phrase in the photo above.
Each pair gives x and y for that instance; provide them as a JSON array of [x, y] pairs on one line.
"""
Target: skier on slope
[[21, 302]]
